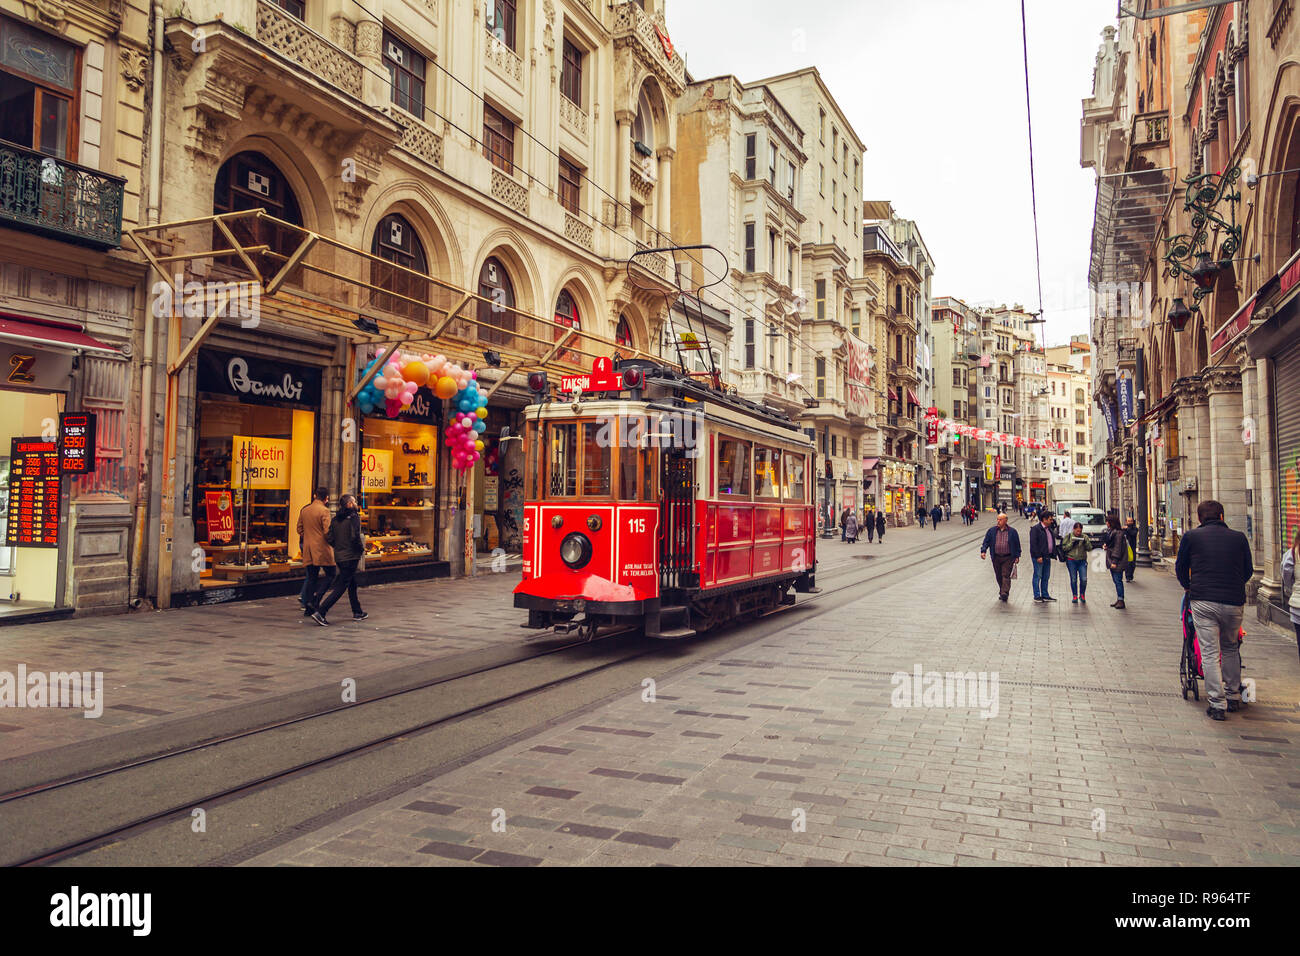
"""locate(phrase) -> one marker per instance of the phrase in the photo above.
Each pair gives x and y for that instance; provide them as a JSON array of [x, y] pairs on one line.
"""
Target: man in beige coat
[[313, 522]]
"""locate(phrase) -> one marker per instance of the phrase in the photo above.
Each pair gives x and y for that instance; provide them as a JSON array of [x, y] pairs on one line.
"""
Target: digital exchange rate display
[[34, 478]]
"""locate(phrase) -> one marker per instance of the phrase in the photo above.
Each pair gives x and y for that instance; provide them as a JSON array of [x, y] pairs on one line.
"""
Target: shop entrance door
[[30, 577]]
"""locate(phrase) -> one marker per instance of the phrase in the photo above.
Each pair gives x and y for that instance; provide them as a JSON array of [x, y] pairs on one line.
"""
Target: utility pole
[[1143, 555]]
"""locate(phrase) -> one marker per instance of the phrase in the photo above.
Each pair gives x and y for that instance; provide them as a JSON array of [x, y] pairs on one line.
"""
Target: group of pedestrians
[[1050, 540], [935, 514], [968, 514], [873, 522], [1214, 564], [332, 549]]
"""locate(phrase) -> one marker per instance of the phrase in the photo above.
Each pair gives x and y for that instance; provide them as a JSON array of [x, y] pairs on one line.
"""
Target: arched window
[[496, 308], [1078, 396], [251, 181], [396, 241], [566, 316], [623, 333], [643, 127]]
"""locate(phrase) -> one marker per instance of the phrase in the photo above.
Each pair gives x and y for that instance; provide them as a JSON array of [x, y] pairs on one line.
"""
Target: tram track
[[44, 823]]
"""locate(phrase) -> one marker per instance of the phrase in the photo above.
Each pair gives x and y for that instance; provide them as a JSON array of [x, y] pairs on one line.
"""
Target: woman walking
[[1288, 581], [851, 526], [1116, 545], [344, 536], [1076, 547], [880, 526]]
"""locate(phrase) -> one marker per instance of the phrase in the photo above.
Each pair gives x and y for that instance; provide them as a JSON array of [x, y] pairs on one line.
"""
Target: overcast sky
[[935, 88]]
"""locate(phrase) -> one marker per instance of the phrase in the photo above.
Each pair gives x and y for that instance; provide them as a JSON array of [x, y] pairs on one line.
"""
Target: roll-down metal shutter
[[1286, 418]]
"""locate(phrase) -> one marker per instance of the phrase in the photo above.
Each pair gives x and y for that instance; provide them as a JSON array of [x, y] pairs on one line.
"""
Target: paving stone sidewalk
[[1092, 757]]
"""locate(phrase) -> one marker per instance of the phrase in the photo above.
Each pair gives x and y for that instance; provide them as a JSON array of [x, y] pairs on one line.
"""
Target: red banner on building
[[221, 516]]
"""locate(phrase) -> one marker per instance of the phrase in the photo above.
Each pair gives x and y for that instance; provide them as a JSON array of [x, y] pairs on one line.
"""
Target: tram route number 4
[[603, 378]]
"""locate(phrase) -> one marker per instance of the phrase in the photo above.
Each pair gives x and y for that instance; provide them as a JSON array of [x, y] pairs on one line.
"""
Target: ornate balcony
[[636, 30], [573, 118], [290, 37], [61, 199], [502, 59]]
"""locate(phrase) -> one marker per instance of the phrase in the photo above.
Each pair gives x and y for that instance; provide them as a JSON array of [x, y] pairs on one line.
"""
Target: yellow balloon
[[446, 387], [478, 446], [481, 412]]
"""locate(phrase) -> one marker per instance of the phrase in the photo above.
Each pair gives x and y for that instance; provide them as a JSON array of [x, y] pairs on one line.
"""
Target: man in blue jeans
[[1042, 551], [1213, 566]]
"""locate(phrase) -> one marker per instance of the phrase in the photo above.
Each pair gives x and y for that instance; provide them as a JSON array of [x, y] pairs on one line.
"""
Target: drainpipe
[[152, 216]]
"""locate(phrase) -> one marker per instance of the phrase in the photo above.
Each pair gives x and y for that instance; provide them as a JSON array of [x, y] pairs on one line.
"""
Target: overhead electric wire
[[1033, 189]]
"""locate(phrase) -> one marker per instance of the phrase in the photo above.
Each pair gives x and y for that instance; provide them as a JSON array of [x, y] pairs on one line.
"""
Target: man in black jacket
[[1213, 566], [1004, 542], [1042, 550], [344, 537]]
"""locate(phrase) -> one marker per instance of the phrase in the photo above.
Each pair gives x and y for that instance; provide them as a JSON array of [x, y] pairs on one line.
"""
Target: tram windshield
[[602, 459]]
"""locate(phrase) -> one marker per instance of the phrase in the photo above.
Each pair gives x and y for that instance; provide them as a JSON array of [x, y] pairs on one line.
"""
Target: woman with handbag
[[344, 536], [1288, 581], [1117, 556]]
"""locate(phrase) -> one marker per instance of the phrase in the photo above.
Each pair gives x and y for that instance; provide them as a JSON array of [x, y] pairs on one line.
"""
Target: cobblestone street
[[1092, 756]]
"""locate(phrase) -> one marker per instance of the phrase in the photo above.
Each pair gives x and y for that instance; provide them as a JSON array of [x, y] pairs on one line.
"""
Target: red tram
[[663, 502]]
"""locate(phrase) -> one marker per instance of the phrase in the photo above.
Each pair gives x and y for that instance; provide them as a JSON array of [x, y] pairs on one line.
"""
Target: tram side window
[[794, 465], [767, 479], [562, 462], [733, 467], [596, 466]]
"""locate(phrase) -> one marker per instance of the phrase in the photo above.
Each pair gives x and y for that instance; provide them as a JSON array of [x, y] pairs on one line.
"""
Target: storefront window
[[398, 483], [733, 467], [254, 464]]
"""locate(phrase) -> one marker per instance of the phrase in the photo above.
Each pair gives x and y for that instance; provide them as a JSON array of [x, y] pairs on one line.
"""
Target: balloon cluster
[[402, 375], [464, 435]]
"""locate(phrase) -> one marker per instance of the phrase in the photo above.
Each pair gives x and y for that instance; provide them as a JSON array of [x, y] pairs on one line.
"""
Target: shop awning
[[911, 397], [869, 463], [893, 396], [50, 335]]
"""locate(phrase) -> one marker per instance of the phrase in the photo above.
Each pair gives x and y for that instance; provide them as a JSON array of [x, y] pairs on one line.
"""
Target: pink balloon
[[393, 407], [473, 375], [381, 383], [392, 392]]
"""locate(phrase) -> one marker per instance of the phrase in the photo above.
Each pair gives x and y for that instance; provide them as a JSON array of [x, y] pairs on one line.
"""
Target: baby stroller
[[1190, 669]]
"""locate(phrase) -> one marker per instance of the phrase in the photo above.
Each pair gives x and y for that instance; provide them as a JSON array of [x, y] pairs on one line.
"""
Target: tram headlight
[[575, 550], [594, 522]]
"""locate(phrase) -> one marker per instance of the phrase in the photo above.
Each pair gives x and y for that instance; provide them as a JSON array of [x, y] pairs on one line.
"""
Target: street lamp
[[1179, 314], [1205, 272]]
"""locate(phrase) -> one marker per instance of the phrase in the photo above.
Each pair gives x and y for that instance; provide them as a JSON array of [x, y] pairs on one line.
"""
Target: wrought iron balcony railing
[[59, 198]]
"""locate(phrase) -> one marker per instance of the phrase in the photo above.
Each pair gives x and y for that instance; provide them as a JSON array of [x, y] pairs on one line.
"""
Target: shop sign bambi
[[377, 469], [268, 462], [258, 381]]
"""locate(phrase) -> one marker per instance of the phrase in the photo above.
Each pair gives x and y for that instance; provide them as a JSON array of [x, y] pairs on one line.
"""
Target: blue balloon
[[480, 427]]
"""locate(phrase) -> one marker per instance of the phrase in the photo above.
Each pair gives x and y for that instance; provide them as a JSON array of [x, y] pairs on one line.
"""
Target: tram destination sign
[[77, 443], [603, 378], [34, 485]]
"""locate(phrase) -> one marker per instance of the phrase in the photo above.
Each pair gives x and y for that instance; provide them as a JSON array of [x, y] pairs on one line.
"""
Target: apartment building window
[[751, 156], [821, 178], [855, 322], [1080, 438], [821, 125], [789, 181], [821, 227], [749, 343], [772, 158], [835, 142], [958, 377], [1078, 416], [772, 336], [844, 205], [295, 8], [406, 73], [846, 159], [571, 74], [789, 353], [835, 185], [501, 21], [750, 255], [498, 140], [1079, 459], [789, 266], [771, 252], [38, 86], [570, 185], [821, 378], [821, 298], [856, 175]]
